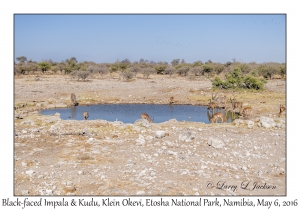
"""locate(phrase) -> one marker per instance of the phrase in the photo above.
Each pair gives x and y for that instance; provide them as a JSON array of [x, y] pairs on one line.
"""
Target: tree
[[175, 62], [21, 59], [73, 59], [44, 66], [208, 61]]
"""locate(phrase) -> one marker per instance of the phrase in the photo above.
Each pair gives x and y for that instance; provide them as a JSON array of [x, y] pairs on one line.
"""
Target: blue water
[[129, 113]]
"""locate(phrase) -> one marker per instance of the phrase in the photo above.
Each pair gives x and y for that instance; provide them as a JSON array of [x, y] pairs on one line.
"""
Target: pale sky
[[192, 37]]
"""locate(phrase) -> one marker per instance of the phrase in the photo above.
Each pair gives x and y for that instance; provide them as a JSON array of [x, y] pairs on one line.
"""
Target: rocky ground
[[97, 157]]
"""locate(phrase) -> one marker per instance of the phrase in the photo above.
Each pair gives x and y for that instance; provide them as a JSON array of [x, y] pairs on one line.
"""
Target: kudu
[[73, 100], [236, 104], [212, 105], [219, 100]]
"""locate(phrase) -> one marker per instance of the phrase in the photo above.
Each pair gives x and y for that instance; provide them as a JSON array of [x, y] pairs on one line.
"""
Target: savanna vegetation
[[229, 75]]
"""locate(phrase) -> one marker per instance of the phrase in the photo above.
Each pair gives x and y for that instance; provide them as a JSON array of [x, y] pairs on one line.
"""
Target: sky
[[107, 38]]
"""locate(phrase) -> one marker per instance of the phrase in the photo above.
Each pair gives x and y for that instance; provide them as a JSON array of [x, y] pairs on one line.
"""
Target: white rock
[[140, 141], [25, 192], [160, 134], [244, 168], [172, 153], [216, 143], [140, 193], [30, 172], [250, 124]]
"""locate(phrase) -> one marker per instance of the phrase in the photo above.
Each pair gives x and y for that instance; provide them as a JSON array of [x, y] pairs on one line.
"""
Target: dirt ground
[[97, 157]]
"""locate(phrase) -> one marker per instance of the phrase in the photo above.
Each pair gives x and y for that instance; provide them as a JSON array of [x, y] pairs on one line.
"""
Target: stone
[[244, 168], [140, 193], [266, 122], [160, 134], [30, 172], [25, 192], [216, 143], [186, 137], [142, 122], [238, 122], [140, 141], [250, 124]]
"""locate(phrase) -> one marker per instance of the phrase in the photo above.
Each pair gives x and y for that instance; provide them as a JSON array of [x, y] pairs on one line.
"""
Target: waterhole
[[129, 113]]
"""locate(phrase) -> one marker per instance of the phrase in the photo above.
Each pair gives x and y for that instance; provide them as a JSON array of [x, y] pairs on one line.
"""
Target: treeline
[[127, 69]]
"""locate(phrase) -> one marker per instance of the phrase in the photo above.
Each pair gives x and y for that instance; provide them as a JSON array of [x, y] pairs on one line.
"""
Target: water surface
[[129, 113]]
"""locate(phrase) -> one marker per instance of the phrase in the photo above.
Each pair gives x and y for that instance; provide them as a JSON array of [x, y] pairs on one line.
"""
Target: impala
[[85, 115], [216, 116], [146, 116], [172, 100], [281, 109], [246, 112]]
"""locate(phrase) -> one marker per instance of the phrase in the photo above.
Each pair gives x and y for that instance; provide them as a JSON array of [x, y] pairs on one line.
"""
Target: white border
[[8, 8]]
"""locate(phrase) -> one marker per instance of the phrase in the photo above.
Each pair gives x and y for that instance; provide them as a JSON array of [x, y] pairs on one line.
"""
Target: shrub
[[147, 72], [183, 71], [160, 69], [196, 71], [251, 82], [80, 75], [127, 74], [135, 70], [170, 70], [219, 68], [236, 80], [102, 70], [208, 69], [254, 73], [113, 68]]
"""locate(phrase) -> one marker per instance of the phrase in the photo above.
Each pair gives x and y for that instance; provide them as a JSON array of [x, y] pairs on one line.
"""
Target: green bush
[[236, 80]]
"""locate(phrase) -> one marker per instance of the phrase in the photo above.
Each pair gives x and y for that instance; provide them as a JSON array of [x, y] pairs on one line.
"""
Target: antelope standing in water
[[146, 116], [281, 109], [246, 112], [85, 115], [216, 116]]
